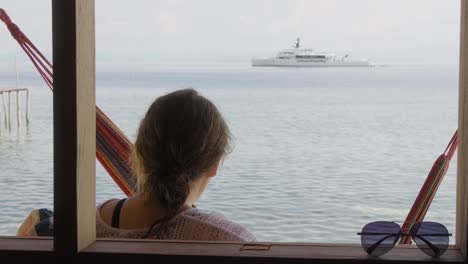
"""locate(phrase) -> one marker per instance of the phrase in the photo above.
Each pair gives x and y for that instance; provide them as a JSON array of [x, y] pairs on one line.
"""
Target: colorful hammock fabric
[[429, 188], [113, 148]]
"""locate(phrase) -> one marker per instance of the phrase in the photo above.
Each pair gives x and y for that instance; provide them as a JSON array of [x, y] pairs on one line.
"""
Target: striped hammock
[[113, 147], [429, 188]]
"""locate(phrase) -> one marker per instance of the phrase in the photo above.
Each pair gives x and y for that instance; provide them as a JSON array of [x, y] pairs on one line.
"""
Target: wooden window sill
[[26, 246], [271, 252], [226, 252]]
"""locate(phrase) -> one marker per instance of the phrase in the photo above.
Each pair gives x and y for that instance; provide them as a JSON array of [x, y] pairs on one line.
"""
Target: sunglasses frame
[[400, 234]]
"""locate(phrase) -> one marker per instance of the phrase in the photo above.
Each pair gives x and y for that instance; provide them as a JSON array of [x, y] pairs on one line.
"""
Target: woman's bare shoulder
[[106, 209]]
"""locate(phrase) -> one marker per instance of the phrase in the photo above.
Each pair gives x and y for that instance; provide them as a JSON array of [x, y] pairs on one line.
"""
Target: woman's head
[[181, 139]]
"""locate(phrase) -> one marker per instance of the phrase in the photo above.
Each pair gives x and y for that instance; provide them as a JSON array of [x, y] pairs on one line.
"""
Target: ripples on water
[[318, 152]]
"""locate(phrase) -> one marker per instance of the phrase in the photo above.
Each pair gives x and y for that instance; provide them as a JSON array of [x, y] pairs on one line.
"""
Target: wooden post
[[462, 171], [5, 110], [9, 110], [18, 109], [86, 125], [74, 125]]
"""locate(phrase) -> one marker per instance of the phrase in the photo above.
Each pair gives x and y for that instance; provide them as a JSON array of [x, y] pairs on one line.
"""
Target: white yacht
[[299, 57]]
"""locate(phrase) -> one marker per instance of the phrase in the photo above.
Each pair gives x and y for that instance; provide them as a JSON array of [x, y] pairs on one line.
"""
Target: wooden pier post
[[5, 110], [9, 110], [18, 108]]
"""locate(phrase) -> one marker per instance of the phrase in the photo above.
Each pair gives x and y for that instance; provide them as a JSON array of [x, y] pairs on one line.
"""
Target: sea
[[318, 152]]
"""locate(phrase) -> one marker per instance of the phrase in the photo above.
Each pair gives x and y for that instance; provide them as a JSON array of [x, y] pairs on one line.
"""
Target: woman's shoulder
[[215, 226], [104, 229], [105, 210]]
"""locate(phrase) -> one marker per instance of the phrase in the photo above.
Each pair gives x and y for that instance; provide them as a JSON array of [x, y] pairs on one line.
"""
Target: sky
[[142, 34]]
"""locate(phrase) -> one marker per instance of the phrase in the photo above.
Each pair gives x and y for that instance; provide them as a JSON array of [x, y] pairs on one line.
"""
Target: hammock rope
[[113, 148]]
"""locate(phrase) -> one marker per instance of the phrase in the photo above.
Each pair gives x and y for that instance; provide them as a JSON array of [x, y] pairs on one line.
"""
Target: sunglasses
[[377, 238]]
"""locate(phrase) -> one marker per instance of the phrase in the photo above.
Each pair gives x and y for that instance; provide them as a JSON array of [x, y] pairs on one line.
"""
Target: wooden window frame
[[74, 172]]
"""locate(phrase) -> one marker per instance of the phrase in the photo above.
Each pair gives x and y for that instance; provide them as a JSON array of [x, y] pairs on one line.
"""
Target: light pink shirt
[[191, 224]]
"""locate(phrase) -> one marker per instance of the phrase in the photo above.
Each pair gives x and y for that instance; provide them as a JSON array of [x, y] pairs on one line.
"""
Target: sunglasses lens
[[431, 237], [377, 238]]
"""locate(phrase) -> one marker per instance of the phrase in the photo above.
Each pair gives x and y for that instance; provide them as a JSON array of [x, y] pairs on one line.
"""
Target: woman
[[179, 147], [180, 144]]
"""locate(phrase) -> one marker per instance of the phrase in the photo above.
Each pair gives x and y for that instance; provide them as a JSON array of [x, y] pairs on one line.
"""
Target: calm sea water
[[318, 152]]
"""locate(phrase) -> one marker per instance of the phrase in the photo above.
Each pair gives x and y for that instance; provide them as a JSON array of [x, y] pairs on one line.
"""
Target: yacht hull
[[296, 63]]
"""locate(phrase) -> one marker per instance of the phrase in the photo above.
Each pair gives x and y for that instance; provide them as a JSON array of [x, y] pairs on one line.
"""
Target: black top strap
[[116, 214]]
